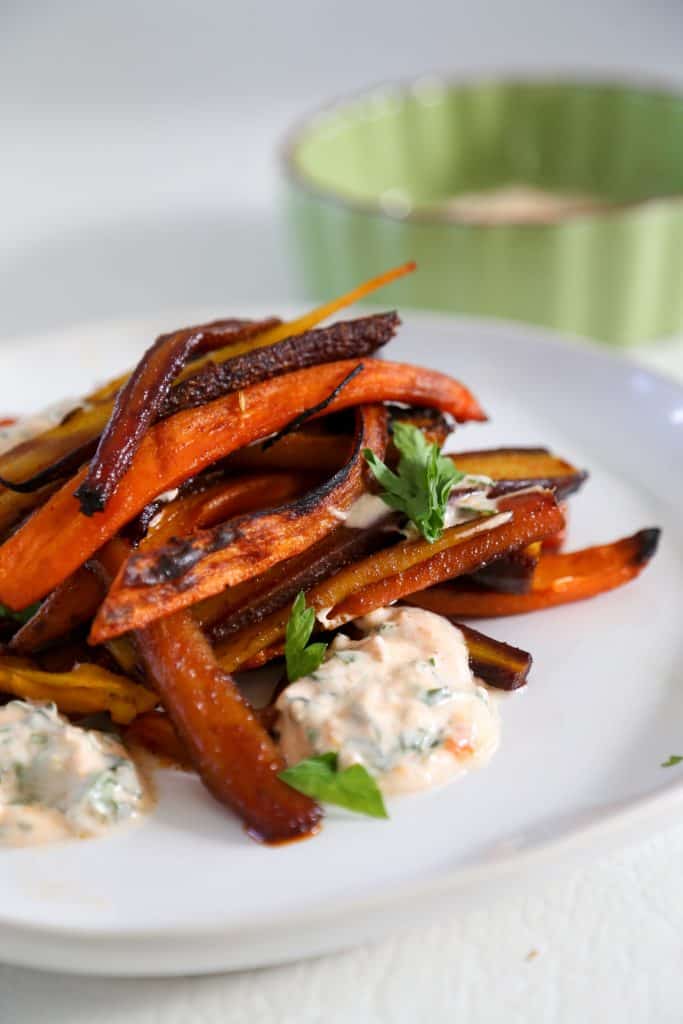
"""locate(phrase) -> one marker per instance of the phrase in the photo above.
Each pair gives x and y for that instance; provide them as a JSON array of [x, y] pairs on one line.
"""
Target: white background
[[138, 171]]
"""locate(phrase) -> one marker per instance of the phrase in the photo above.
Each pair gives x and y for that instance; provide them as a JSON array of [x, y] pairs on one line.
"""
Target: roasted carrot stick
[[72, 603], [78, 598], [86, 423], [398, 571], [311, 319], [301, 449], [532, 516], [59, 451], [512, 573], [316, 450], [496, 663], [137, 405], [249, 602], [348, 339], [146, 396], [236, 759], [558, 579], [155, 582], [221, 500], [223, 737], [57, 538], [513, 468], [82, 690]]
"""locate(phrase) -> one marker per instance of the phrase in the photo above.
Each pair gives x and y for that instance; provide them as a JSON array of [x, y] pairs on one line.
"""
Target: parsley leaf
[[354, 788], [301, 660], [20, 617], [423, 482], [673, 760]]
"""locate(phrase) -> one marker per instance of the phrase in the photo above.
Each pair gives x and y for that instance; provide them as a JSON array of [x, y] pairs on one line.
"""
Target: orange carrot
[[57, 538], [558, 579], [166, 577]]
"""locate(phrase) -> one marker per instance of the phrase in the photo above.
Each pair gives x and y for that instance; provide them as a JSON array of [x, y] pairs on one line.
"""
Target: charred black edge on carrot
[[647, 542], [421, 416], [561, 486], [509, 676], [180, 555], [134, 411], [73, 460], [138, 403], [331, 557], [347, 339], [304, 571], [430, 420], [137, 528]]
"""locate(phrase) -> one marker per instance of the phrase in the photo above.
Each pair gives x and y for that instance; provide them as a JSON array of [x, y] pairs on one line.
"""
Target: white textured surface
[[599, 945], [136, 162]]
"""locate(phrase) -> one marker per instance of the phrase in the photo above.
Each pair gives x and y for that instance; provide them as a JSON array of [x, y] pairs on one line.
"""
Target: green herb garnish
[[301, 660], [354, 788], [437, 695], [674, 759], [423, 482]]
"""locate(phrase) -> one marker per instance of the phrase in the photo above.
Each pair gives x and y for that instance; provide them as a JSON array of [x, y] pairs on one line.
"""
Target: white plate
[[579, 769]]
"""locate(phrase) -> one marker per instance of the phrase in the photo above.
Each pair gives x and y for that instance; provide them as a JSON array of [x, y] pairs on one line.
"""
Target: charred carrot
[[139, 402], [313, 449], [401, 570], [223, 738], [147, 395], [558, 579], [236, 759], [59, 451], [57, 539], [532, 516], [155, 582], [72, 603], [514, 468]]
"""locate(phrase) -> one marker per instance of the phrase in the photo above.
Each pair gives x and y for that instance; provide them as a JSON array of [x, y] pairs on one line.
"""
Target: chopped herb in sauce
[[405, 706], [438, 695], [59, 780]]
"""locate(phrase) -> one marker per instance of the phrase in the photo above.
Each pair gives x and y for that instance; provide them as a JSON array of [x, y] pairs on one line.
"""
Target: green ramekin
[[363, 174]]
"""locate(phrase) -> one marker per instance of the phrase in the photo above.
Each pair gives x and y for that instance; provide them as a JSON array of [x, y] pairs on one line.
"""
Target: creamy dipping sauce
[[365, 512], [402, 702], [58, 781], [518, 204]]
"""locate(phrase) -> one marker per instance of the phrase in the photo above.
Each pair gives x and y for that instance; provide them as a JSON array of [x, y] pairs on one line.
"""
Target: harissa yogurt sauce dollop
[[59, 781], [402, 701]]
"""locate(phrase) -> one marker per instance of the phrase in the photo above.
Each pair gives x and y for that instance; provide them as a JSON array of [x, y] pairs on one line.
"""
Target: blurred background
[[139, 141]]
